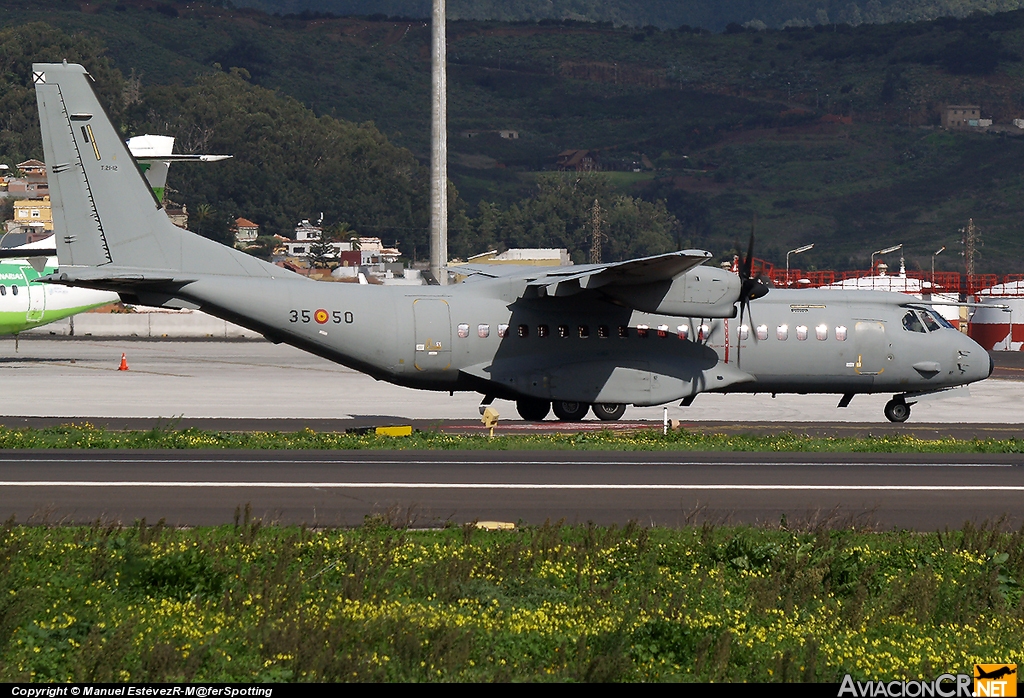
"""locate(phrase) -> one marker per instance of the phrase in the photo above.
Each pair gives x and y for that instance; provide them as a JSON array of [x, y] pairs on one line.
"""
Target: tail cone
[[124, 363]]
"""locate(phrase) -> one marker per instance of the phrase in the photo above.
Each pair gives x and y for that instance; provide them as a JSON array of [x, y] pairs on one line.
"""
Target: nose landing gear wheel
[[609, 411], [897, 410], [570, 411], [532, 409]]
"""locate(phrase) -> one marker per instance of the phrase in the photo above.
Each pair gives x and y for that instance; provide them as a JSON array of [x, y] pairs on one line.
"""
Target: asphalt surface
[[423, 489], [258, 385]]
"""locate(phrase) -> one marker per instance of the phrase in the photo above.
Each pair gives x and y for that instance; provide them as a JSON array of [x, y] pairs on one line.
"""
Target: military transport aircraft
[[642, 332]]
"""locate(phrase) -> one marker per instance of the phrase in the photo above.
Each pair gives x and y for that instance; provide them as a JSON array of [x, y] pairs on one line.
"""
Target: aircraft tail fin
[[104, 212]]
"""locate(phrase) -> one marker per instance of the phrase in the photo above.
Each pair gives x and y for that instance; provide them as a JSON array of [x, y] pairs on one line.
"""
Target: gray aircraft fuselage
[[449, 338]]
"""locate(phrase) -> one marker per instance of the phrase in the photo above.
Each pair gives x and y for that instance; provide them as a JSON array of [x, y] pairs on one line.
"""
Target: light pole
[[934, 254], [796, 251], [887, 250]]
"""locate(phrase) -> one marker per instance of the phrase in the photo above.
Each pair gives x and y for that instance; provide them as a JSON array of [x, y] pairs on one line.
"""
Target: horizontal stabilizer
[[109, 277], [22, 253]]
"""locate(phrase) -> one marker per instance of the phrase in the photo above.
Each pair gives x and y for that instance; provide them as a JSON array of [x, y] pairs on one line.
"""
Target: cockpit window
[[934, 320], [913, 323]]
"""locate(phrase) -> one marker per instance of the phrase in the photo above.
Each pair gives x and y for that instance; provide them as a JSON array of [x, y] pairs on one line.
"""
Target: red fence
[[940, 282]]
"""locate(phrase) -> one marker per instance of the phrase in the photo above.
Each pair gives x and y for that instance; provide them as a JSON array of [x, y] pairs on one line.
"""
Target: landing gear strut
[[897, 410], [570, 411], [532, 409]]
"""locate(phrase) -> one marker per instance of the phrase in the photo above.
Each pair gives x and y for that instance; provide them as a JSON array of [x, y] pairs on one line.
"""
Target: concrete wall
[[186, 324]]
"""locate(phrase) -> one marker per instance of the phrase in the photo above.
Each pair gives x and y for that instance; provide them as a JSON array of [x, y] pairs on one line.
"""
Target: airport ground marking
[[503, 486]]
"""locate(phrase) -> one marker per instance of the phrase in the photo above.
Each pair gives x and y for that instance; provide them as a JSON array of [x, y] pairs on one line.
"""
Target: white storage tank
[[997, 329]]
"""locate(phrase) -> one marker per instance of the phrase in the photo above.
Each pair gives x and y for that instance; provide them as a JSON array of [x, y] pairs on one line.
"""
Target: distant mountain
[[715, 15]]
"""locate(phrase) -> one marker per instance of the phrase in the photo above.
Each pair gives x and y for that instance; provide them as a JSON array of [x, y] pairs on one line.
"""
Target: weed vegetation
[[550, 603], [87, 436]]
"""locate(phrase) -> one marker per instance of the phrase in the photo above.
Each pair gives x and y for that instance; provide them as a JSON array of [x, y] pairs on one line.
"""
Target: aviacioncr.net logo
[[945, 686], [995, 680]]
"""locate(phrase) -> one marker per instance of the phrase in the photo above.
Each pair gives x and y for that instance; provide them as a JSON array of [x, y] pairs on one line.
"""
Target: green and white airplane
[[572, 339], [24, 302]]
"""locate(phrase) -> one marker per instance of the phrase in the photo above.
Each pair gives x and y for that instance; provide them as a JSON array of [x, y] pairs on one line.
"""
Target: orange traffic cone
[[124, 363]]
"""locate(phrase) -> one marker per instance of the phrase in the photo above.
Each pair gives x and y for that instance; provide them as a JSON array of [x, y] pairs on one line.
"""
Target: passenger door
[[433, 334]]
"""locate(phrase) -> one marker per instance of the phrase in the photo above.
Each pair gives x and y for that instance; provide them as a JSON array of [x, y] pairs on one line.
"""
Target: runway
[[77, 378], [242, 385], [426, 489]]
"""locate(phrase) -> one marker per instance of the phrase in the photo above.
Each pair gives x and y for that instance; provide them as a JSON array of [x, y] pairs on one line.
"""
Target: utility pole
[[970, 240], [595, 239], [439, 148]]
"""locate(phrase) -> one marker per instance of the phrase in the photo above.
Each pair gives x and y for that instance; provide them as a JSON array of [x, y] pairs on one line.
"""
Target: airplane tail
[[104, 213]]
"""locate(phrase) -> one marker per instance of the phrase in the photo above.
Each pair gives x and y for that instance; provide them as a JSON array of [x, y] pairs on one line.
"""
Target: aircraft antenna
[[596, 236]]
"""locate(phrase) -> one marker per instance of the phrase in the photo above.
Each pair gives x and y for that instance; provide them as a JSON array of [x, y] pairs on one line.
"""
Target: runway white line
[[212, 461], [502, 486]]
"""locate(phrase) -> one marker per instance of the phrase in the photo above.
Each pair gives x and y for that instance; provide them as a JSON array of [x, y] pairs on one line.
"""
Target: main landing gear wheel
[[532, 409], [897, 410], [570, 411], [609, 411]]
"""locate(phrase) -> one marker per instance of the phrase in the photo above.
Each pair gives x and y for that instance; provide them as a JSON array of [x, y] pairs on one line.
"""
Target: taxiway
[[77, 378]]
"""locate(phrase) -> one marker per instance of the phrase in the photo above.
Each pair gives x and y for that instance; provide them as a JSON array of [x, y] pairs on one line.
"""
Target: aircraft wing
[[662, 267], [646, 270]]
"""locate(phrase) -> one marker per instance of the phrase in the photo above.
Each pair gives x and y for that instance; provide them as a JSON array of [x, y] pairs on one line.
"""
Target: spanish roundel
[[321, 316]]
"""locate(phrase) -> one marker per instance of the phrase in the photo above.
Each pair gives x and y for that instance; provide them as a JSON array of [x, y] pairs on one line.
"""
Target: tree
[[321, 252]]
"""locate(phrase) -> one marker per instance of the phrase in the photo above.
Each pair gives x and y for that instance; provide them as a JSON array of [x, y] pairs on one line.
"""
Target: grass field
[[86, 436], [549, 603]]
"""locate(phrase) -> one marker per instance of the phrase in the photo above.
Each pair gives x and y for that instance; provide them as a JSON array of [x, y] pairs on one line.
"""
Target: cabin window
[[483, 331], [912, 322], [782, 332], [801, 332], [524, 331], [683, 331], [602, 332], [3, 290], [463, 330], [623, 332], [14, 290], [762, 331], [563, 331], [502, 330], [584, 331], [840, 333], [641, 331], [821, 332], [744, 331], [663, 331], [543, 331]]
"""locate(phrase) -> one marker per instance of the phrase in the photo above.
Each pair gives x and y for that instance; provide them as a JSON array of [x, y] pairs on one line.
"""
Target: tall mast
[[438, 148]]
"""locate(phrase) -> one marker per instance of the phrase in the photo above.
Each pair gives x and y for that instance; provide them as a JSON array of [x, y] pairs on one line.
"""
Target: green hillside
[[722, 126], [714, 15]]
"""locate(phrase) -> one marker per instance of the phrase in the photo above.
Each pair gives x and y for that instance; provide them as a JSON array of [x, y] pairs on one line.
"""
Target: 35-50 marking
[[320, 316]]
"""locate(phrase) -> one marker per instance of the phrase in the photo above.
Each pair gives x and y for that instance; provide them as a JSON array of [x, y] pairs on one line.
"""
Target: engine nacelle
[[700, 292]]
